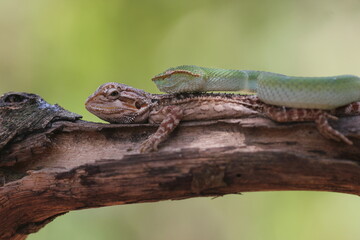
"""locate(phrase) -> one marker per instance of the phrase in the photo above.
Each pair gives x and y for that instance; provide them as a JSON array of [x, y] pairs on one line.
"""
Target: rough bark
[[64, 164]]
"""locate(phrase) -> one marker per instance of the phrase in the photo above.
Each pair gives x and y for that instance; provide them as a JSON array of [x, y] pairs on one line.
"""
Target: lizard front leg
[[173, 115], [320, 117]]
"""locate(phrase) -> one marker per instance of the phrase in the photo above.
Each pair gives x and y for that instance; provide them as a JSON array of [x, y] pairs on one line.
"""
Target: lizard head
[[119, 103]]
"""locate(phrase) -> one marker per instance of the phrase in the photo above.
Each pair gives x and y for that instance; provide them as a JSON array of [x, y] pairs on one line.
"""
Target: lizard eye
[[113, 93], [137, 105]]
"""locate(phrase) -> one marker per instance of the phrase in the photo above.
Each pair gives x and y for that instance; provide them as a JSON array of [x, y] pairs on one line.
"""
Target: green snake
[[271, 88]]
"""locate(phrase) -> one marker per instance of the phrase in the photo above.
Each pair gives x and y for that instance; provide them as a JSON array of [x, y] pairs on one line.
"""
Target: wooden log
[[54, 163]]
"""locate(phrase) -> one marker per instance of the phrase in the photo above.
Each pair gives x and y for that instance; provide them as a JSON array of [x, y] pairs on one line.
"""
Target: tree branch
[[61, 164]]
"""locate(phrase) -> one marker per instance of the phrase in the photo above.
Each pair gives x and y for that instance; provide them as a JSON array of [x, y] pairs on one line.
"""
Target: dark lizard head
[[119, 103]]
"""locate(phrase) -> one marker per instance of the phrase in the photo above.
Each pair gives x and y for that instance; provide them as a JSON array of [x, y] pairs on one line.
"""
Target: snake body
[[271, 88]]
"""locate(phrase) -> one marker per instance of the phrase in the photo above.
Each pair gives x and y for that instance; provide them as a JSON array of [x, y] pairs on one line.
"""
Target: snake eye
[[114, 93], [14, 98]]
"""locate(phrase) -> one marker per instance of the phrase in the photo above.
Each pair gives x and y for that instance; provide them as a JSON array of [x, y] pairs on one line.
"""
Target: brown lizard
[[119, 103]]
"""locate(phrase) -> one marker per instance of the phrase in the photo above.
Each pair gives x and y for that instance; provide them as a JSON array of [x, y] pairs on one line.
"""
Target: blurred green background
[[63, 50]]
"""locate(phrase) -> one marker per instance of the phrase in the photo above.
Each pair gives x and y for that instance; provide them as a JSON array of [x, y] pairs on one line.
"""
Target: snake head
[[186, 78], [119, 103]]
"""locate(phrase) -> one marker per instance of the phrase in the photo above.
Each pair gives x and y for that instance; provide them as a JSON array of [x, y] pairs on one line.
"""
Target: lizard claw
[[329, 116], [148, 146]]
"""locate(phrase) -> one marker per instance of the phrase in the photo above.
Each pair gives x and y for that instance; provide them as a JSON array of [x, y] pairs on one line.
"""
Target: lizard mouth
[[122, 110]]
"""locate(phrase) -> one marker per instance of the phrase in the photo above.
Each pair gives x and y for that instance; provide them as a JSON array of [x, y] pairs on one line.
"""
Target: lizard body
[[119, 103], [271, 88]]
